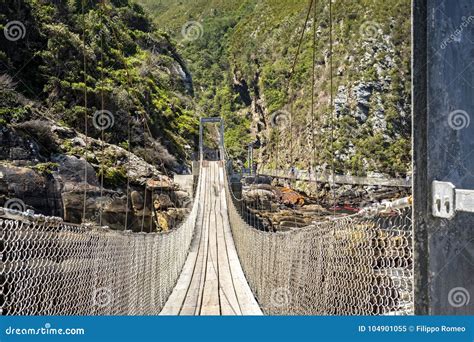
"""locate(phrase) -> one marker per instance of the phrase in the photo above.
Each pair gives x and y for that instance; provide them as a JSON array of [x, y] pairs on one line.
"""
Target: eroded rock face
[[68, 186], [16, 148], [280, 207], [73, 171], [36, 192]]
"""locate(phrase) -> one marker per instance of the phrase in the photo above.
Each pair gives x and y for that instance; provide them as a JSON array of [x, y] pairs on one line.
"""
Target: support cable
[[312, 168], [85, 108], [295, 61], [331, 107], [102, 166]]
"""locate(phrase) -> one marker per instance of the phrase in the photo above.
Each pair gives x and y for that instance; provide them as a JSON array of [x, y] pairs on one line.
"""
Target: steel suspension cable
[[295, 60], [312, 168], [85, 107], [102, 165], [331, 106], [146, 128]]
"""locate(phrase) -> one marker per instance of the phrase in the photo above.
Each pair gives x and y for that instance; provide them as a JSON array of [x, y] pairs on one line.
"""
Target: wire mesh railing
[[49, 267], [360, 264]]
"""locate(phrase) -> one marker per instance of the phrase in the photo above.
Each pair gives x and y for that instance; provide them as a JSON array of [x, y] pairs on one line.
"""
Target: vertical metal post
[[443, 147], [250, 158], [200, 140], [222, 140]]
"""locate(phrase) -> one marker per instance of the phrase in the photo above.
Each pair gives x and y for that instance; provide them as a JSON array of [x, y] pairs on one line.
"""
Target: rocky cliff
[[95, 114], [242, 58]]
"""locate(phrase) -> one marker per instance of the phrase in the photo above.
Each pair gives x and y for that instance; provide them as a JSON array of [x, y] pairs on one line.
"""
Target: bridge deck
[[212, 281]]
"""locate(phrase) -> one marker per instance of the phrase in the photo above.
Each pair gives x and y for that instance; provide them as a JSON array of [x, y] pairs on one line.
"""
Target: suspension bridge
[[217, 262]]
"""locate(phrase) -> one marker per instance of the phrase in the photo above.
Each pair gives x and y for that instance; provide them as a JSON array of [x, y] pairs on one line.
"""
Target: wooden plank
[[229, 302], [193, 300], [212, 281], [210, 301], [246, 299], [178, 296]]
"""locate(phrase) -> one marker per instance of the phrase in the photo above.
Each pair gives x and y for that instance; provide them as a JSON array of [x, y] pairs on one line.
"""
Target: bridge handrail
[[51, 267], [355, 265], [326, 177]]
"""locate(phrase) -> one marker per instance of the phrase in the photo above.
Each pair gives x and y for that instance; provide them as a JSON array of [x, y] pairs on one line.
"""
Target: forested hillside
[[95, 103], [241, 53], [121, 64], [102, 98]]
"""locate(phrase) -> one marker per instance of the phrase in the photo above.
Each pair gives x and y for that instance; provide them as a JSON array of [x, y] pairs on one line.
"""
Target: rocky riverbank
[[280, 207]]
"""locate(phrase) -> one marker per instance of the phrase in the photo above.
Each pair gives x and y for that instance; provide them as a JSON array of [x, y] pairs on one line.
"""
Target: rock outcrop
[[68, 186]]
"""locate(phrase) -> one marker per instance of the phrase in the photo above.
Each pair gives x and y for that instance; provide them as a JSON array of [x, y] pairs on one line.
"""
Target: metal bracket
[[447, 200]]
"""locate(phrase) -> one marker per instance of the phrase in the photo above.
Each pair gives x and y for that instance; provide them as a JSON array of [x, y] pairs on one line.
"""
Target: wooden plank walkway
[[212, 281]]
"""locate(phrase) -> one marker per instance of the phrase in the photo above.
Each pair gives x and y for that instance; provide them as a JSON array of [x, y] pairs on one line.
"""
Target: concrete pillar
[[443, 148]]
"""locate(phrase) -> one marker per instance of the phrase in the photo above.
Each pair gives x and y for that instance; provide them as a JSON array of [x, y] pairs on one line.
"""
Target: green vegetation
[[113, 176], [239, 54], [208, 59], [78, 57], [45, 168], [241, 64]]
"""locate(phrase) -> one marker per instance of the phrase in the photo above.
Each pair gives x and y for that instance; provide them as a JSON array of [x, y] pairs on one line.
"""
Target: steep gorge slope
[[94, 100], [241, 54]]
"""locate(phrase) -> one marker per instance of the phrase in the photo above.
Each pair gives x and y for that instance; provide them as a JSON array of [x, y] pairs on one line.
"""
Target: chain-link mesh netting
[[49, 267], [346, 266]]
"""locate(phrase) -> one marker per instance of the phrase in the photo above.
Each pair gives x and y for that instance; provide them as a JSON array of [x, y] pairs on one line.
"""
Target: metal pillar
[[200, 141], [250, 157], [443, 148], [221, 145], [203, 121]]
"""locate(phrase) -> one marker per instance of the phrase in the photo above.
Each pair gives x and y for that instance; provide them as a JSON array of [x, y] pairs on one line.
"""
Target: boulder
[[162, 202], [162, 219], [72, 171], [164, 183], [181, 199], [137, 200], [290, 197], [37, 192], [259, 194]]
